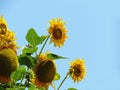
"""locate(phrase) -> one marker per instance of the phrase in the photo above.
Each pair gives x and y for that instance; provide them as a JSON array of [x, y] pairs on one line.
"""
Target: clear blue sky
[[94, 34]]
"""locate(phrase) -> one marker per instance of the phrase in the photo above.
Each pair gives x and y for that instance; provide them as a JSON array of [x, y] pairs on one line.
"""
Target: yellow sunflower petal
[[7, 39], [44, 71], [3, 25], [57, 30], [77, 70]]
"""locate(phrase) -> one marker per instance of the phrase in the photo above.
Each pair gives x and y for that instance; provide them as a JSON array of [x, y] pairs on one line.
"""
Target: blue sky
[[94, 28]]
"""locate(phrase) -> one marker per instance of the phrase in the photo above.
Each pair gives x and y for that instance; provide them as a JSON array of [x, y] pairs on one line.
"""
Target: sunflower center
[[7, 57], [57, 33], [3, 29], [77, 70], [46, 71]]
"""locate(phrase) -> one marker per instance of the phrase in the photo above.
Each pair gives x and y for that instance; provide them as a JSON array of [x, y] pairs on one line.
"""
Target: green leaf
[[27, 60], [42, 88], [15, 88], [71, 89], [31, 50], [33, 38], [42, 38], [57, 76], [18, 74], [32, 87], [30, 73], [54, 56], [1, 88]]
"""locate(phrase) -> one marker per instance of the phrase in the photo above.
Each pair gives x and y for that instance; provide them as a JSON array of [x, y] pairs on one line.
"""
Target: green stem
[[63, 81], [21, 81], [44, 45]]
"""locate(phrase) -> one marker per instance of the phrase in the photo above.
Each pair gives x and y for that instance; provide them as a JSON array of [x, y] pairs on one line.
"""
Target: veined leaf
[[54, 56], [33, 38], [27, 60], [18, 74], [28, 50]]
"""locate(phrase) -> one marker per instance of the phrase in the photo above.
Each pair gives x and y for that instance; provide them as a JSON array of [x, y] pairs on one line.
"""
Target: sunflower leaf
[[30, 73], [16, 88], [57, 76], [28, 50], [71, 89], [1, 88], [27, 60], [54, 56], [42, 38], [18, 74], [32, 87], [33, 38], [42, 88]]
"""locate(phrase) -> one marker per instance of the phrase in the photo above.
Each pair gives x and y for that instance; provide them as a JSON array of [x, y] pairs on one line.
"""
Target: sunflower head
[[42, 56], [7, 39], [44, 71], [8, 64], [77, 70], [57, 30]]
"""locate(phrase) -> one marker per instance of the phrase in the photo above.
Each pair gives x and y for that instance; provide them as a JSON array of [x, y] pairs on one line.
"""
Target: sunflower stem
[[44, 44], [21, 81], [63, 80]]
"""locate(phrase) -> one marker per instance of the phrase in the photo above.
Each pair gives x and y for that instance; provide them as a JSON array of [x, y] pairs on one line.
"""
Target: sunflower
[[8, 64], [57, 30], [44, 71], [42, 56], [77, 70], [7, 39], [3, 25]]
